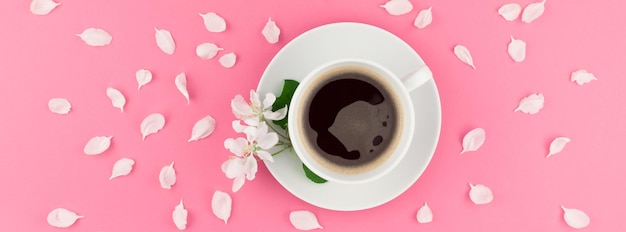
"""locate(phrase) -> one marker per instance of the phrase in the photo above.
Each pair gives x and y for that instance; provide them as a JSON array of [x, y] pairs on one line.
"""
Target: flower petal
[[221, 204], [473, 140], [238, 183], [424, 214], [165, 41], [517, 50], [464, 55], [575, 218], [398, 7], [271, 32], [228, 60], [250, 167], [582, 77], [207, 50], [267, 141], [122, 167], [240, 107], [203, 128], [238, 127], [233, 167], [276, 115], [264, 155], [304, 220], [42, 7], [237, 146], [181, 84], [167, 176], [255, 100], [252, 133], [531, 104], [533, 11], [59, 105], [263, 129], [95, 37], [510, 11], [424, 18], [213, 22], [179, 216], [269, 100], [254, 121], [480, 194], [143, 77], [557, 145], [117, 98], [152, 124], [97, 145], [62, 218]]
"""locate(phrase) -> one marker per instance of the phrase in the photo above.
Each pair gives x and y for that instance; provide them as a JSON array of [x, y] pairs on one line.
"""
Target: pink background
[[43, 166]]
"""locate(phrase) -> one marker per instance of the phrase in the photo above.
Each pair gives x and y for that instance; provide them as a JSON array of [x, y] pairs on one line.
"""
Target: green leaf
[[289, 87], [312, 176]]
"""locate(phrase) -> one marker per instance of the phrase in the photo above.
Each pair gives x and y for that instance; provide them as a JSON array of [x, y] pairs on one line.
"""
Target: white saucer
[[350, 40]]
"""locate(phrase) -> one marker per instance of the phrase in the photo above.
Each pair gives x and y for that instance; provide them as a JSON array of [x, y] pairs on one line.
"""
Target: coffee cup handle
[[417, 78]]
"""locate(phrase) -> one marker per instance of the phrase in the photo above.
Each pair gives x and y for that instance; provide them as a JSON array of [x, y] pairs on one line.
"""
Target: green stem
[[283, 143], [278, 152]]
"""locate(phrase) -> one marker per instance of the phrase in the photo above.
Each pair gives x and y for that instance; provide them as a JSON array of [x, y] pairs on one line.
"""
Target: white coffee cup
[[357, 132]]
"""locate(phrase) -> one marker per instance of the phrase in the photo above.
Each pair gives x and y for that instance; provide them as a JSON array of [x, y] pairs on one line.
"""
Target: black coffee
[[351, 118]]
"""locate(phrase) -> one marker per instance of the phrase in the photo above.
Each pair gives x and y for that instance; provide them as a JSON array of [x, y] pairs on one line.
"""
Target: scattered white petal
[[97, 145], [304, 220], [167, 176], [238, 183], [533, 11], [213, 22], [464, 55], [203, 128], [575, 218], [510, 11], [152, 124], [480, 194], [59, 105], [557, 145], [122, 167], [95, 37], [398, 7], [473, 140], [143, 77], [228, 60], [221, 205], [165, 41], [62, 218], [424, 214], [207, 50], [117, 98], [531, 104], [271, 32], [517, 49], [424, 18], [42, 7], [179, 215], [181, 85], [582, 77]]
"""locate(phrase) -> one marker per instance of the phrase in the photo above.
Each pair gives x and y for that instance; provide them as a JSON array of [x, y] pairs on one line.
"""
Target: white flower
[[261, 140], [240, 169], [257, 141], [243, 165], [256, 111]]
